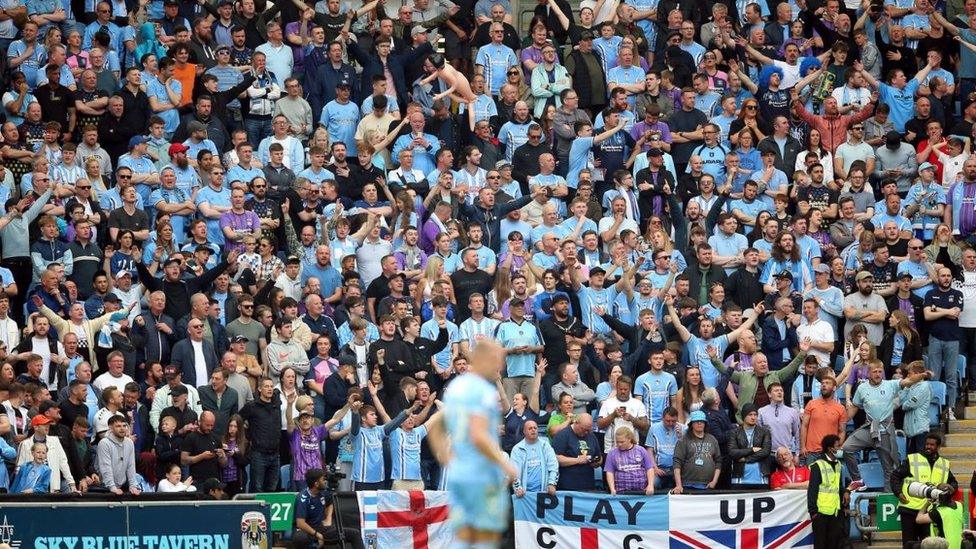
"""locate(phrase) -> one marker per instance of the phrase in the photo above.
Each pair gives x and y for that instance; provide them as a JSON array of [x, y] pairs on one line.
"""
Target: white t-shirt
[[107, 380], [818, 332], [634, 407], [967, 319], [199, 362], [41, 347]]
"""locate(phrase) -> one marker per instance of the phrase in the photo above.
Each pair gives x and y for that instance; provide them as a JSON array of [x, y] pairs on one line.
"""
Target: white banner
[[577, 520]]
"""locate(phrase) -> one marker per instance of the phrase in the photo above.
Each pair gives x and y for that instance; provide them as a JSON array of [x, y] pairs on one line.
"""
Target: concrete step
[[964, 426], [958, 452], [970, 411], [960, 440], [885, 540]]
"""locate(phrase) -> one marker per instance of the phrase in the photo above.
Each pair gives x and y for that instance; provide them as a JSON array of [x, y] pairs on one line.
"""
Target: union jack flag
[[787, 536]]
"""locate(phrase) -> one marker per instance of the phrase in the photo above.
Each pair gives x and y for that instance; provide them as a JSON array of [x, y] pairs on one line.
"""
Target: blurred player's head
[[487, 359]]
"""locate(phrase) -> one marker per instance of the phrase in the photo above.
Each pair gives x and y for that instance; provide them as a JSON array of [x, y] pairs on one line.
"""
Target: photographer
[[947, 517], [927, 467], [313, 515]]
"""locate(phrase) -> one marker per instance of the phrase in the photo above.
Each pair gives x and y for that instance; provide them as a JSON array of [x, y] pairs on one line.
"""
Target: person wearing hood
[[116, 461], [148, 44]]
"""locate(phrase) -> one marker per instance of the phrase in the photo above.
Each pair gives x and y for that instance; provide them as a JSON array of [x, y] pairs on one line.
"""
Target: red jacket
[[833, 129]]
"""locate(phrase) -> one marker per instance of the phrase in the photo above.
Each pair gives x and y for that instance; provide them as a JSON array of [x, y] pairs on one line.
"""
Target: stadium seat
[[902, 441], [961, 370], [839, 364], [284, 481], [937, 402], [872, 475]]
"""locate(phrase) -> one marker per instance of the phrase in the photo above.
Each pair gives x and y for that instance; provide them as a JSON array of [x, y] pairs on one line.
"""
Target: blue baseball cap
[[137, 140], [697, 415]]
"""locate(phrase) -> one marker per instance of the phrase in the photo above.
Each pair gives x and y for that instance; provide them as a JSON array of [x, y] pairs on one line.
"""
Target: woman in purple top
[[629, 467], [305, 441]]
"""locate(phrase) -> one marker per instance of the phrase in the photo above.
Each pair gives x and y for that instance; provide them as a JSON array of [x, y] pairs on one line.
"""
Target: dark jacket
[[743, 288], [178, 293], [156, 346], [772, 344], [395, 63], [141, 426], [26, 346], [223, 411], [552, 20], [784, 164], [525, 162], [263, 423], [740, 451], [918, 310], [720, 427], [114, 134], [183, 357], [216, 130], [168, 450], [491, 219], [714, 274], [87, 261], [221, 342], [911, 352]]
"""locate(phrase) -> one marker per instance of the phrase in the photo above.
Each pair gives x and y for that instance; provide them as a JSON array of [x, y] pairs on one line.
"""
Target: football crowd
[[246, 246]]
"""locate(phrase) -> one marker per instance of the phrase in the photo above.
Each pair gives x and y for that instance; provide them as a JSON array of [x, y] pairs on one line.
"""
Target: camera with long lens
[[332, 476], [922, 490]]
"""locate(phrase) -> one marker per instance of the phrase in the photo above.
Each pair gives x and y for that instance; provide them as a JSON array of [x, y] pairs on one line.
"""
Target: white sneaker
[[952, 415]]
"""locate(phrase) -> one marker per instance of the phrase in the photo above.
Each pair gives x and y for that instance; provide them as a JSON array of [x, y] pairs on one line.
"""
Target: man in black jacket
[[178, 291], [263, 417], [525, 159], [702, 273], [489, 214], [153, 331]]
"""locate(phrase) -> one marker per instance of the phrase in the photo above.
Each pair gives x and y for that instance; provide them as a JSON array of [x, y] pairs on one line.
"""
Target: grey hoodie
[[116, 461]]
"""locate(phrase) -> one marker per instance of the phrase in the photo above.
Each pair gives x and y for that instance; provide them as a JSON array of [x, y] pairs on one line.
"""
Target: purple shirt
[[243, 223], [629, 468], [531, 53], [297, 52], [306, 452], [642, 127], [428, 236], [419, 261]]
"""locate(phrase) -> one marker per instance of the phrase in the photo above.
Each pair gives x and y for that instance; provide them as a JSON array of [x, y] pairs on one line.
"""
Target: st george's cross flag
[[404, 520]]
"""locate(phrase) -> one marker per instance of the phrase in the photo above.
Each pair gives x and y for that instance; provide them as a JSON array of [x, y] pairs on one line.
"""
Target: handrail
[[865, 521]]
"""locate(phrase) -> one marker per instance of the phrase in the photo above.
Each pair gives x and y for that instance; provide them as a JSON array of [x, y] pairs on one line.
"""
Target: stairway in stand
[[960, 450]]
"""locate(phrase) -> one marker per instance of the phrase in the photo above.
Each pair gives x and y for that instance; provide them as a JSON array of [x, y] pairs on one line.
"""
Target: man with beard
[[170, 199], [942, 307], [561, 329], [866, 307], [926, 466]]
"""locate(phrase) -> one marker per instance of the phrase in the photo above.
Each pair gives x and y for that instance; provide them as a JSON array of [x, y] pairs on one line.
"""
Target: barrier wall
[[135, 525], [578, 520]]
